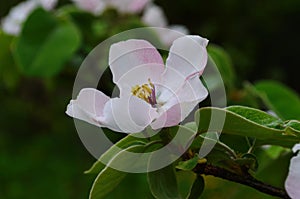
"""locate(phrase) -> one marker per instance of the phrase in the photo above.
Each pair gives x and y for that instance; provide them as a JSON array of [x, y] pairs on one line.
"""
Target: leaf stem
[[245, 179]]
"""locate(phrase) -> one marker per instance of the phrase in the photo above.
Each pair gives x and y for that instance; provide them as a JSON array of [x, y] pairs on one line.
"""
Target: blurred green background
[[41, 155]]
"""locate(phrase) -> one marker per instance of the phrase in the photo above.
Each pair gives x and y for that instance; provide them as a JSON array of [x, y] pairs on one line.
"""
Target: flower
[[97, 7], [293, 179], [154, 16], [12, 23], [150, 92], [128, 6]]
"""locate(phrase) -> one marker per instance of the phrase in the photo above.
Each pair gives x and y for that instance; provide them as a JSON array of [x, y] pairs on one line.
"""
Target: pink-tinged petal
[[88, 106], [293, 179], [134, 60], [154, 16], [75, 111], [129, 6], [170, 117], [181, 103], [128, 115], [188, 55], [187, 59]]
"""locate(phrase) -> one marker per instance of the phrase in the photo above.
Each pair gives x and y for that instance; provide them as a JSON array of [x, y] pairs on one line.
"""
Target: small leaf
[[294, 125], [45, 44], [125, 143], [109, 178], [224, 64], [198, 188], [185, 180], [9, 73], [188, 165], [274, 151], [249, 161], [282, 100], [106, 181], [163, 183], [269, 166]]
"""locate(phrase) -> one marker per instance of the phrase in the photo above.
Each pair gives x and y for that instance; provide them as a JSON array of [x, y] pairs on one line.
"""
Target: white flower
[[95, 7], [128, 6], [150, 92], [154, 16], [293, 179], [12, 23]]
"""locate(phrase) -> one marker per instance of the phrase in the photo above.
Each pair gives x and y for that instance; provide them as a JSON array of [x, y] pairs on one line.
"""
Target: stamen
[[146, 92]]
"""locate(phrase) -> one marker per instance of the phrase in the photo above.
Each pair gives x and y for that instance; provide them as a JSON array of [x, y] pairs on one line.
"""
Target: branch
[[245, 179]]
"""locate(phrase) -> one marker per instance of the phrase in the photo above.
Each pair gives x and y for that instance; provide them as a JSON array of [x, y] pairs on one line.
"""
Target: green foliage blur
[[41, 155]]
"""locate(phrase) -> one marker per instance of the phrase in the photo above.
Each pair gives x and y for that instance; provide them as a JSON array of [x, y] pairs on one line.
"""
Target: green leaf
[[185, 180], [274, 151], [45, 44], [133, 186], [8, 71], [245, 121], [293, 125], [248, 161], [268, 166], [188, 164], [198, 188], [163, 183], [123, 144], [224, 64], [109, 178], [282, 100]]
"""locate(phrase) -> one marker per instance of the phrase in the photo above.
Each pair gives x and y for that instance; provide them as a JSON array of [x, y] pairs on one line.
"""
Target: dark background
[[262, 37]]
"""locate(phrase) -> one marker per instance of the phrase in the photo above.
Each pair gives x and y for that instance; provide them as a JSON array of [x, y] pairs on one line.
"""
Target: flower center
[[146, 92]]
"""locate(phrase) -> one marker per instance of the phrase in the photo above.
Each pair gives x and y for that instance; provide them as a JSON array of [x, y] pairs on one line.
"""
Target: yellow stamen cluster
[[144, 91]]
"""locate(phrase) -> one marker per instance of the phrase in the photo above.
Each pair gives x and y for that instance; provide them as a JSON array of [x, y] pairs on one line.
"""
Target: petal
[[187, 58], [181, 103], [169, 117], [154, 16], [88, 106], [188, 55], [296, 148], [293, 179], [133, 62], [192, 90], [128, 115]]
